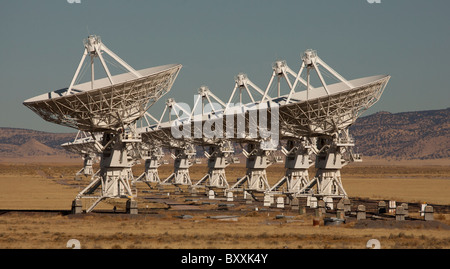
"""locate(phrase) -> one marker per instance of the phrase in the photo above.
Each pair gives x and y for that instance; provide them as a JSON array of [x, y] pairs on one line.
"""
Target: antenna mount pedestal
[[115, 171], [182, 161], [256, 177], [297, 164], [152, 159], [219, 157]]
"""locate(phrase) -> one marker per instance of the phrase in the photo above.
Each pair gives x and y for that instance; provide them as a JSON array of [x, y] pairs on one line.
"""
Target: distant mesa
[[16, 143], [406, 135], [34, 148]]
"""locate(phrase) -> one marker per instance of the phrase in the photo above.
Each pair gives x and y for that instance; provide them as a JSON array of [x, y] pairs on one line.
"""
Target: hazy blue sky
[[41, 45]]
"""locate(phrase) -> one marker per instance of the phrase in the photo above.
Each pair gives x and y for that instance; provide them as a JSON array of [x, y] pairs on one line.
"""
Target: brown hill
[[34, 148], [17, 136], [407, 135], [30, 148], [15, 142]]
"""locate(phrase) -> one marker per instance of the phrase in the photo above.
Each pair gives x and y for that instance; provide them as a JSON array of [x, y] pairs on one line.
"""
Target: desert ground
[[36, 197]]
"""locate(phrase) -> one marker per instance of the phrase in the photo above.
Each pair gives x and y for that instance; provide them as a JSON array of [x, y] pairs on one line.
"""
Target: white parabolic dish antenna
[[110, 106], [105, 104], [312, 121]]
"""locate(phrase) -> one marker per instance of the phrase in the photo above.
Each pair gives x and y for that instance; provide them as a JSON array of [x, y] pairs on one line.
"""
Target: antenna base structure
[[219, 157], [115, 175], [84, 145], [258, 160], [297, 162], [183, 160], [333, 153], [152, 157], [88, 161]]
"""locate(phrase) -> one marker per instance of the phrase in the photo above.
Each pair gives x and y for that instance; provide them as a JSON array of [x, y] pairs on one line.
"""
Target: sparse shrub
[[252, 214], [264, 235]]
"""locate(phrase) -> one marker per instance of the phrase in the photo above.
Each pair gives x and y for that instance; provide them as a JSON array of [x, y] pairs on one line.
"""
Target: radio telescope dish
[[110, 106], [314, 120], [84, 144], [105, 104], [88, 148], [316, 113]]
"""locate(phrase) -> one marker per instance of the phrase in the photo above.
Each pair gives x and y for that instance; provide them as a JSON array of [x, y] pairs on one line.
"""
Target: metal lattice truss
[[105, 104], [107, 108], [84, 144], [329, 114], [238, 124], [325, 111]]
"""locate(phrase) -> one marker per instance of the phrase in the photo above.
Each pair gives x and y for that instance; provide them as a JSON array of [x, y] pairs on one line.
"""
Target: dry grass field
[[35, 199]]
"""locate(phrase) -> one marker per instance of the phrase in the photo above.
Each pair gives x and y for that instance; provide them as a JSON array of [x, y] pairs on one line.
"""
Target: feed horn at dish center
[[307, 123]]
